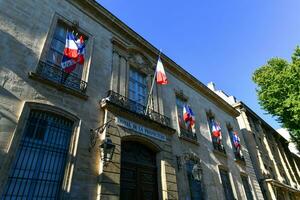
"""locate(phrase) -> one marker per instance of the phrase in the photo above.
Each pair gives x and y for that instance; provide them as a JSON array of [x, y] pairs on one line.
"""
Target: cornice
[[121, 30]]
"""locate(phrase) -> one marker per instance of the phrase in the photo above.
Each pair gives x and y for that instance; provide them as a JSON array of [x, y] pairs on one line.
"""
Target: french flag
[[188, 116], [216, 129], [71, 48], [81, 50], [236, 140], [73, 53], [161, 77]]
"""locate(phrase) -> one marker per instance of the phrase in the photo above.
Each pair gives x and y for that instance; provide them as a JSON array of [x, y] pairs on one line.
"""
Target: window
[[236, 145], [179, 104], [38, 169], [272, 172], [137, 87], [186, 130], [226, 184], [247, 187], [216, 135], [194, 178], [50, 68]]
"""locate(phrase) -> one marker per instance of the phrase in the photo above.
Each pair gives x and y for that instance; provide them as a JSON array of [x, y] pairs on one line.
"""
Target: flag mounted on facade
[[189, 117], [216, 131], [236, 140], [73, 53], [161, 77]]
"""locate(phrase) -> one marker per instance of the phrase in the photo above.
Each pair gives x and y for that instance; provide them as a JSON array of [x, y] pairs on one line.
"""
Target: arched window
[[38, 169]]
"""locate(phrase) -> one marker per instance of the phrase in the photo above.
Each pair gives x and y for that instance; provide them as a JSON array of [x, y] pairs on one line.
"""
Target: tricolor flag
[[236, 140], [71, 48], [189, 117], [161, 77], [73, 53], [216, 130], [81, 50]]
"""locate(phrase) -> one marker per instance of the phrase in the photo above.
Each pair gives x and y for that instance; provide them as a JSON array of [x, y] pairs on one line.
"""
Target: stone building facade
[[276, 168], [52, 122]]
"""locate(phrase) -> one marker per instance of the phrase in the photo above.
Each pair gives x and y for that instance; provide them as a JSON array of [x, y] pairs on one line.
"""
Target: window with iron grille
[[226, 184], [50, 67], [38, 169], [137, 86], [247, 187]]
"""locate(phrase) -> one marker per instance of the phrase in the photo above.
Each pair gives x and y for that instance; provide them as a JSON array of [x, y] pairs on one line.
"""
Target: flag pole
[[152, 85]]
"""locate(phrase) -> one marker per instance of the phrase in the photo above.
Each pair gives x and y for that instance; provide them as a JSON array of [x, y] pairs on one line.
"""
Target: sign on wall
[[140, 129]]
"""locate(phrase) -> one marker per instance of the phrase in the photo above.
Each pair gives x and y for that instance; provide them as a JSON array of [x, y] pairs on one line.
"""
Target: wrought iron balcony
[[56, 75], [239, 157], [136, 107], [219, 147], [188, 134]]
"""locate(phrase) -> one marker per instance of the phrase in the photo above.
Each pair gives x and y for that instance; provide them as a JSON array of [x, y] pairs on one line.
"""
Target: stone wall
[[26, 29]]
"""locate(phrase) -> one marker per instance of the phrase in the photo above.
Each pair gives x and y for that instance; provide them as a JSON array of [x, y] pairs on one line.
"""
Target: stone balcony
[[188, 135], [136, 108], [219, 148]]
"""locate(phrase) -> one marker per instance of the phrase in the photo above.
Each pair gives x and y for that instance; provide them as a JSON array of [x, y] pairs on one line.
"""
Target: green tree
[[278, 90]]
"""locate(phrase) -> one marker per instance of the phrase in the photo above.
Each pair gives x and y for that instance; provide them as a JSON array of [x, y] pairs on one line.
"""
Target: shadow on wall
[[8, 118], [15, 58]]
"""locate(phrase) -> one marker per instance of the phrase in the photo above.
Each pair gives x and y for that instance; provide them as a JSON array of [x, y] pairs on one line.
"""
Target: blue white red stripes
[[236, 140], [189, 117], [216, 131], [73, 53]]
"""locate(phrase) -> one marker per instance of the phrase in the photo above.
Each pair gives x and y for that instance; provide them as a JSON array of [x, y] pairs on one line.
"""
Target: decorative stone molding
[[210, 114], [139, 61], [179, 93]]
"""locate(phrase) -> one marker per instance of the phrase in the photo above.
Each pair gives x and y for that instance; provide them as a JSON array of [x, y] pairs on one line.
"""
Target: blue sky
[[219, 41]]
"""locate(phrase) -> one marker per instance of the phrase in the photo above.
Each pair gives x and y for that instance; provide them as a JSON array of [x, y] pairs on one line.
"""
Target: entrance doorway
[[138, 172]]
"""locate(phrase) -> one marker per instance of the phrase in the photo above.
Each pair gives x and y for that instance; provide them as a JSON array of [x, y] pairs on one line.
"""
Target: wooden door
[[138, 172]]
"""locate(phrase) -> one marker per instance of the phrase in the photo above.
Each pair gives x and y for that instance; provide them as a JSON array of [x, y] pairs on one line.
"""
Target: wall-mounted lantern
[[108, 149]]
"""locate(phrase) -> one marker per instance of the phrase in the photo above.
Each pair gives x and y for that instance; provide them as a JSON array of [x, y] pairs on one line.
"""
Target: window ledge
[[189, 140], [221, 153], [243, 162], [60, 87]]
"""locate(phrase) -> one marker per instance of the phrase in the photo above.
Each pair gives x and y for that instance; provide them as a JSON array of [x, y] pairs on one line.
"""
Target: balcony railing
[[239, 157], [219, 147], [57, 75], [188, 134], [137, 108]]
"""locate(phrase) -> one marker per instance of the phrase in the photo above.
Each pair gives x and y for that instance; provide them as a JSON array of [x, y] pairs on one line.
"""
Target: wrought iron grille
[[238, 156], [137, 108], [57, 75], [38, 169], [187, 134], [219, 147]]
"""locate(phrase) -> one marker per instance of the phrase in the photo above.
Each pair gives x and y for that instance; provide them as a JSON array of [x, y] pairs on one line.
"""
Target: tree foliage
[[279, 91]]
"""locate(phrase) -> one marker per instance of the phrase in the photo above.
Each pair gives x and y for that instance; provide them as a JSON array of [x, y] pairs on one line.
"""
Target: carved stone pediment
[[210, 114], [179, 93], [140, 62], [191, 156]]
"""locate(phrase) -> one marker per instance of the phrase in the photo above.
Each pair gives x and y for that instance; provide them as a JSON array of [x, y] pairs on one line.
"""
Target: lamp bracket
[[95, 134]]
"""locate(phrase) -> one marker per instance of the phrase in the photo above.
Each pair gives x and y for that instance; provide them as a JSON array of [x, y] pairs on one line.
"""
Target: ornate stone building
[[276, 168], [87, 135]]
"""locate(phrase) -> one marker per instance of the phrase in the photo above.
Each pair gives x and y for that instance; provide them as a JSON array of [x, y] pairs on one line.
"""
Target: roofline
[[242, 104], [111, 22]]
